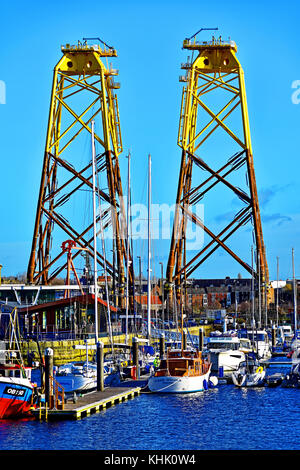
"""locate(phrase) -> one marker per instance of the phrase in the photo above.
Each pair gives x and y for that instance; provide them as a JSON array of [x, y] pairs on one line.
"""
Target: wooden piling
[[49, 376], [273, 336], [201, 339], [100, 366], [184, 340], [135, 355]]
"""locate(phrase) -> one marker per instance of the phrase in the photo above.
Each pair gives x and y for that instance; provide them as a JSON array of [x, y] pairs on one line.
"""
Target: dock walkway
[[89, 403]]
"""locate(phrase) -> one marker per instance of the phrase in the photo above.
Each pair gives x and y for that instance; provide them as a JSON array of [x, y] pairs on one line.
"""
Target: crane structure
[[213, 101], [83, 91], [67, 247]]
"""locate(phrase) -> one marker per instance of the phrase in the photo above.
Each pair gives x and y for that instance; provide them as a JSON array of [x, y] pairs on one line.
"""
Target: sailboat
[[182, 371], [251, 373]]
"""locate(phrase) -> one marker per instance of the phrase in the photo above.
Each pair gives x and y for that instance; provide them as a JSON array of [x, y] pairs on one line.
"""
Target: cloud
[[226, 216], [265, 195], [278, 219]]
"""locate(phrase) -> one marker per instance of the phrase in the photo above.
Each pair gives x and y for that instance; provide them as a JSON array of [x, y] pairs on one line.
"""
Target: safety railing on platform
[[57, 399]]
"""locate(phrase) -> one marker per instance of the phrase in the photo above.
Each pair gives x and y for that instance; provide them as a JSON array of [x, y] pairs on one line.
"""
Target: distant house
[[142, 303]]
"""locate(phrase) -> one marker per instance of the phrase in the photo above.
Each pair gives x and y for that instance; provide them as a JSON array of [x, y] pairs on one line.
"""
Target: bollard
[[200, 339], [162, 345], [100, 366], [135, 355], [49, 377]]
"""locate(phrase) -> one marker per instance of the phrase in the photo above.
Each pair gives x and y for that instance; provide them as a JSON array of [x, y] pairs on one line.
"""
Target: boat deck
[[91, 403]]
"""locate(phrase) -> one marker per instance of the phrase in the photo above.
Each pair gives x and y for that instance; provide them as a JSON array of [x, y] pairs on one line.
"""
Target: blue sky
[[148, 37]]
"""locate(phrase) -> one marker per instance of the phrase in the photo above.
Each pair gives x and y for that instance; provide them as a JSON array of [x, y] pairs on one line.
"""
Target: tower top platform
[[105, 51], [215, 43]]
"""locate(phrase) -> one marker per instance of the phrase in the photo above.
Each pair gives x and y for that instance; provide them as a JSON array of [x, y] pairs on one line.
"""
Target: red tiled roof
[[155, 300]]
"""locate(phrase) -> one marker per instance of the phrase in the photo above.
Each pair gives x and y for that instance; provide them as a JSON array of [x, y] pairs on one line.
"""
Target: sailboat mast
[[295, 294], [277, 293], [127, 255], [149, 251], [252, 290], [95, 231]]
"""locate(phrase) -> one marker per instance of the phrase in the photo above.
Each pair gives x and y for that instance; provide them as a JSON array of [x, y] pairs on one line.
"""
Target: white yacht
[[260, 342], [227, 351]]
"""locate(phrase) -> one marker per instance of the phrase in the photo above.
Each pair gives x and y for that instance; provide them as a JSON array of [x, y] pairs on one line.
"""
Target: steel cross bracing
[[215, 71], [83, 91]]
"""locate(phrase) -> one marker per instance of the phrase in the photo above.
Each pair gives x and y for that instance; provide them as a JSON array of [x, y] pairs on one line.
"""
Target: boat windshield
[[244, 343], [257, 336], [223, 345], [249, 365]]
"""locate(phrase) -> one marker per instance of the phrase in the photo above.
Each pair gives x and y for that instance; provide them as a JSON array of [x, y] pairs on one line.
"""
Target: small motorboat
[[292, 379], [274, 380], [249, 374]]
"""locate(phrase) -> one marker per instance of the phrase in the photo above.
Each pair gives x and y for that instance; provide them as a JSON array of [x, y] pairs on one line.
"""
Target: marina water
[[224, 418]]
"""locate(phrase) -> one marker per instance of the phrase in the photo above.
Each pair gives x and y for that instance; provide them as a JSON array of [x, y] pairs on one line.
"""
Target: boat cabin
[[15, 370], [183, 363], [223, 343]]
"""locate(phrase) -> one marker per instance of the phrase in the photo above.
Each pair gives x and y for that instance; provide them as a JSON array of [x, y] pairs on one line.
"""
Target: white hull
[[79, 379], [173, 384], [248, 380], [77, 383], [228, 360]]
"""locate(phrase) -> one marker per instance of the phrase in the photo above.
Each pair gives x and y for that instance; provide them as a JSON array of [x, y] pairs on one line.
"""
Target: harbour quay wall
[[67, 350]]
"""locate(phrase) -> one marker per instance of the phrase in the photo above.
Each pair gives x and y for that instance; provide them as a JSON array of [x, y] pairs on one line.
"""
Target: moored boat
[[292, 378], [81, 377], [260, 342], [225, 352], [16, 391], [250, 374], [274, 380], [183, 371]]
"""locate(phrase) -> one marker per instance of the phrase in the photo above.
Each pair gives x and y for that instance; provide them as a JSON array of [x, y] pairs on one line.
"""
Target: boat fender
[[213, 381], [259, 370], [205, 385]]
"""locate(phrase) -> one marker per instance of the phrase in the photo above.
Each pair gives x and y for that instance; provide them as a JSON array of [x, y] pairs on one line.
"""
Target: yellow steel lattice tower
[[215, 87], [83, 91]]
